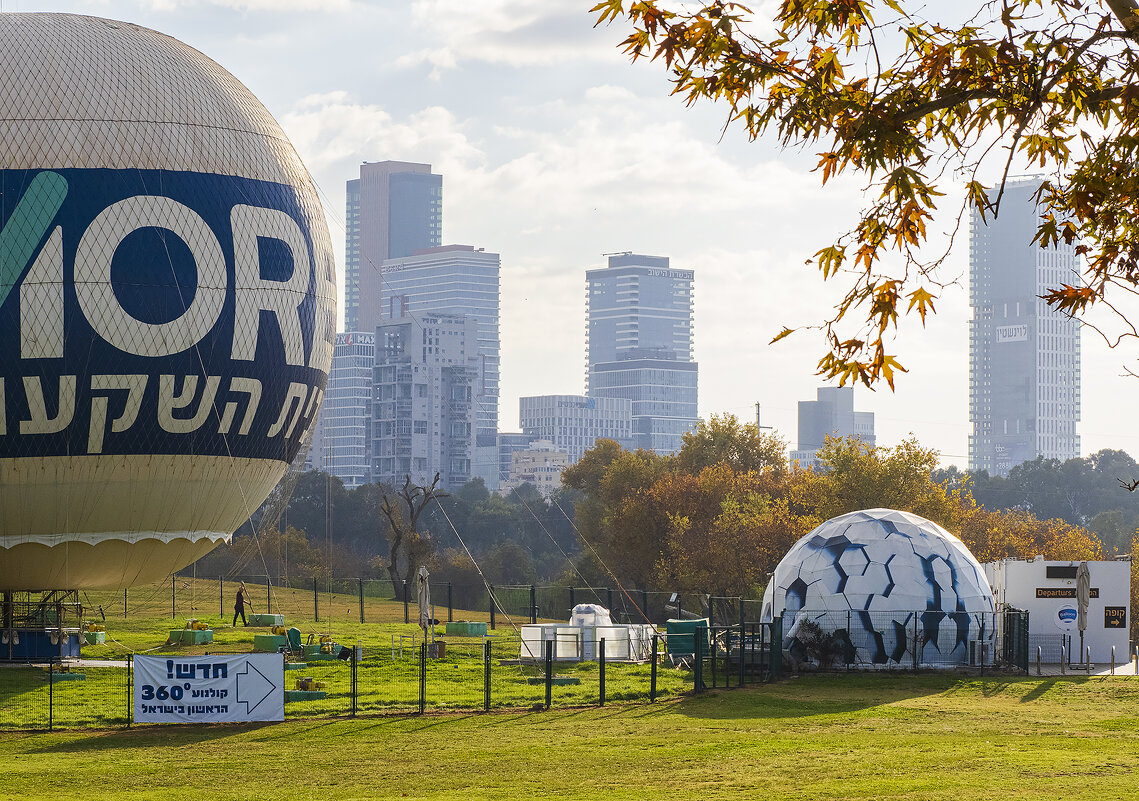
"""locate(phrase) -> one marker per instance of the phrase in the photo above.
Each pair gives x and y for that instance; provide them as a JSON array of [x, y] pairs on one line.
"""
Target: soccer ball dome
[[887, 582]]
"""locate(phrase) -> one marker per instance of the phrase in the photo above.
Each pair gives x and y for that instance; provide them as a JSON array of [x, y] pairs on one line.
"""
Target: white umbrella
[[1083, 598], [423, 591]]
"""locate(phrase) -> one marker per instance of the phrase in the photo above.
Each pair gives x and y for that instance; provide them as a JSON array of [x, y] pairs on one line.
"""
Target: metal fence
[[406, 676], [354, 598], [899, 640]]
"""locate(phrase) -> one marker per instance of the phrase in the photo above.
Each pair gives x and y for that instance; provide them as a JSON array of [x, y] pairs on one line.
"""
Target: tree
[[722, 440], [924, 107], [406, 544]]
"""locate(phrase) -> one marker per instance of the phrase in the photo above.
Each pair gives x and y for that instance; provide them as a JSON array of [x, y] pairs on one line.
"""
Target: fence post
[[549, 672], [743, 627], [1038, 672], [221, 596], [360, 583], [406, 603], [698, 659], [645, 605], [450, 603], [173, 598], [533, 604], [916, 643], [741, 652], [775, 658], [712, 610], [486, 675], [1112, 661], [50, 694], [268, 596], [125, 605], [653, 672], [130, 689], [315, 602], [422, 677], [490, 594], [601, 672]]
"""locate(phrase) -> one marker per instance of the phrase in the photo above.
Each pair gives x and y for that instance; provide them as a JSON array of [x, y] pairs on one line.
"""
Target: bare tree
[[405, 541]]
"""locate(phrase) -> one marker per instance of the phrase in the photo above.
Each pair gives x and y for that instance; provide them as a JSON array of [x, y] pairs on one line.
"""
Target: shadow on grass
[[819, 694]]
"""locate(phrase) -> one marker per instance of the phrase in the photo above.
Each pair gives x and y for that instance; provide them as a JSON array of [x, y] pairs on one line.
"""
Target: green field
[[841, 737]]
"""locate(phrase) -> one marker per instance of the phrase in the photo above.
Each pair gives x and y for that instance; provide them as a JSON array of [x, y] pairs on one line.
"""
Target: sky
[[555, 150]]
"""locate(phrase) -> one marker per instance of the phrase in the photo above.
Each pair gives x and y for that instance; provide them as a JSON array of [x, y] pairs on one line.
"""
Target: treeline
[[1091, 492], [717, 517], [323, 529]]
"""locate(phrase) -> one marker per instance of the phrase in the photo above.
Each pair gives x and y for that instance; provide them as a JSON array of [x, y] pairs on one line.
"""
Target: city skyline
[[553, 167]]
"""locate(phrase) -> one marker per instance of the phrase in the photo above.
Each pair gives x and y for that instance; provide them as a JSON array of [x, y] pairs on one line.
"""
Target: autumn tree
[[930, 103], [860, 476]]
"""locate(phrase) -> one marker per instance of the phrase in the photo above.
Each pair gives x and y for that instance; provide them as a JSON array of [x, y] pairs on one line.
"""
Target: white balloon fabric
[[167, 303], [886, 582]]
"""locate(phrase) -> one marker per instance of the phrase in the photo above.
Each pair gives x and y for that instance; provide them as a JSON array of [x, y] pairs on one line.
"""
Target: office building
[[340, 439], [393, 209], [639, 339], [423, 399], [456, 279], [1024, 357], [830, 414], [574, 423]]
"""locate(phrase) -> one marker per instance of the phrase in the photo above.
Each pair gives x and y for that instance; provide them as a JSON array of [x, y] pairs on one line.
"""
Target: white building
[[574, 423], [540, 464], [1047, 591]]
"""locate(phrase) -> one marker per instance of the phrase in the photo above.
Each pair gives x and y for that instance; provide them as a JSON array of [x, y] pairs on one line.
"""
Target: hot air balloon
[[167, 303]]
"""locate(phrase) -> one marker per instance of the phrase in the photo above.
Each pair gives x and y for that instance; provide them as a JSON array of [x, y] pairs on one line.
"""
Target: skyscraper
[[831, 413], [393, 209], [639, 333], [1024, 357], [455, 279], [340, 440], [423, 412]]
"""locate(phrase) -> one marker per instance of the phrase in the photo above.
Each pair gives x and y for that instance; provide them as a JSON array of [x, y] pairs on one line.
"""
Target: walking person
[[239, 606]]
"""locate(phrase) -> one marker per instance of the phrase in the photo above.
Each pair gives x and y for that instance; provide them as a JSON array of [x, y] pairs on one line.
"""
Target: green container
[[95, 637], [465, 628], [305, 695], [266, 620], [191, 636], [682, 636], [269, 643]]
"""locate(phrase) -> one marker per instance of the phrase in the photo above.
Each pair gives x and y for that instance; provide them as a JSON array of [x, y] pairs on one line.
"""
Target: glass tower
[[1024, 357], [639, 335]]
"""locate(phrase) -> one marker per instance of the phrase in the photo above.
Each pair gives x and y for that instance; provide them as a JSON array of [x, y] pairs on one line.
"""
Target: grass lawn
[[833, 737]]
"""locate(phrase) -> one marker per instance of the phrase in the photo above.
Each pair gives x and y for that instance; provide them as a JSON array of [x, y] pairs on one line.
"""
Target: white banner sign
[[209, 689]]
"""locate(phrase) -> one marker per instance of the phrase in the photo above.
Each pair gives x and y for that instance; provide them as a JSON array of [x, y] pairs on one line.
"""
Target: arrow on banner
[[253, 688]]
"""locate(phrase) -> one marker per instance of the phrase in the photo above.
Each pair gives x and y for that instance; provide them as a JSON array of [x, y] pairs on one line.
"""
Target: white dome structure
[[885, 582], [167, 303]]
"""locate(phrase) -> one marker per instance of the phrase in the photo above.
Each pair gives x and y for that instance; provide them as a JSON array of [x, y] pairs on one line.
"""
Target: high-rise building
[[393, 209], [830, 414], [1024, 357], [574, 423], [423, 399], [639, 334], [340, 440], [455, 279]]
